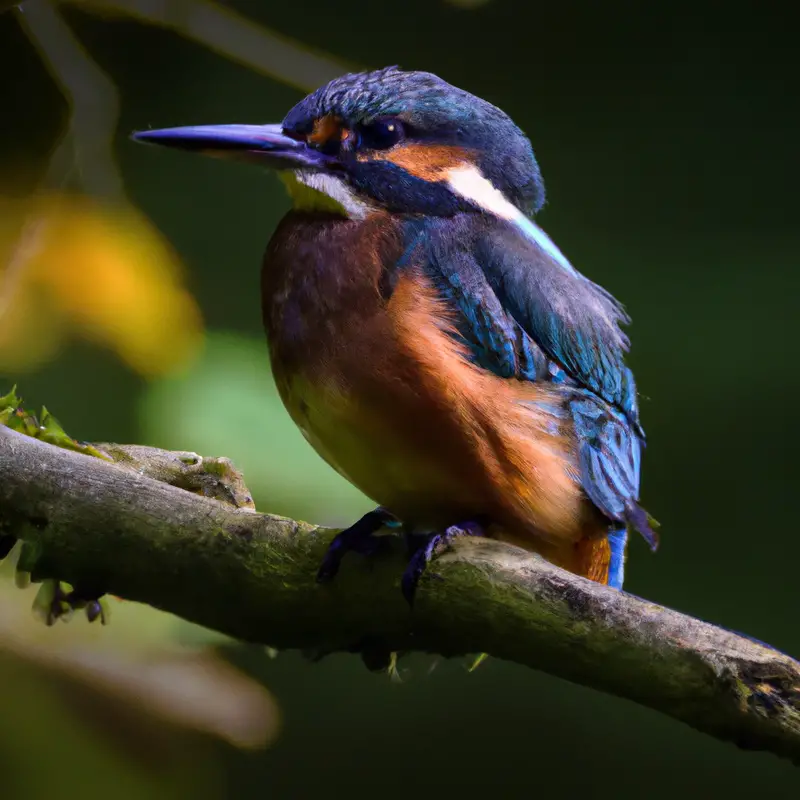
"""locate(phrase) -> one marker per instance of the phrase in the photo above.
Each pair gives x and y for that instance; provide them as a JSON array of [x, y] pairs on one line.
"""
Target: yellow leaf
[[105, 273], [30, 331]]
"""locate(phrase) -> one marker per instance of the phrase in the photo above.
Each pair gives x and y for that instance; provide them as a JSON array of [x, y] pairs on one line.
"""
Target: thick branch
[[253, 576]]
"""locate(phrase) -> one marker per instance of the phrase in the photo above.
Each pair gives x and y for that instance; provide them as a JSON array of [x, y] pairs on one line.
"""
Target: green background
[[668, 140]]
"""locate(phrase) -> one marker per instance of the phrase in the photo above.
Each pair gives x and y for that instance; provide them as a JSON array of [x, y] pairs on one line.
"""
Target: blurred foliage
[[227, 402], [131, 703], [467, 3], [130, 706], [665, 137], [88, 265], [71, 266]]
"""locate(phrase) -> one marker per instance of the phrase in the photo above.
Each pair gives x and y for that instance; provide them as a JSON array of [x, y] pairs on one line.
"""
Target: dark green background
[[668, 139]]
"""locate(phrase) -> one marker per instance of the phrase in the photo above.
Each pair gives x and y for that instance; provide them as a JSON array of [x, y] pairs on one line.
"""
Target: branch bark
[[129, 529]]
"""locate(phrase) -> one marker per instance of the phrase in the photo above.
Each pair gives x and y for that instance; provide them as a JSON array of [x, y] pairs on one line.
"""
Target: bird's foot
[[424, 546], [358, 538], [57, 600]]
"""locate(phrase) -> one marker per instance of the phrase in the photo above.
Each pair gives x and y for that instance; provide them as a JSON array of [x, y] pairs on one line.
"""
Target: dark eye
[[381, 134]]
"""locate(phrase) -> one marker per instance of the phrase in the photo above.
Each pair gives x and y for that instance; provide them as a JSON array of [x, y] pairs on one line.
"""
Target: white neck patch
[[468, 182], [320, 191]]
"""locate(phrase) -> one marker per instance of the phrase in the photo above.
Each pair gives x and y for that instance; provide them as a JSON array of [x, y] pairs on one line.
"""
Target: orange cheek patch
[[429, 162]]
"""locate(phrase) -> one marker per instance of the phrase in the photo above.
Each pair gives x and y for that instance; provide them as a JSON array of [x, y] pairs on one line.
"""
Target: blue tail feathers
[[618, 541], [609, 454]]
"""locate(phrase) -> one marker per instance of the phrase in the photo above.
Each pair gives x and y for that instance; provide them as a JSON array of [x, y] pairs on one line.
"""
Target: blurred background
[[667, 134]]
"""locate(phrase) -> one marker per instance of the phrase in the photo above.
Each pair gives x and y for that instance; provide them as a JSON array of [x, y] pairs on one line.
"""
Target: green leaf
[[52, 432], [48, 430], [28, 556], [10, 400]]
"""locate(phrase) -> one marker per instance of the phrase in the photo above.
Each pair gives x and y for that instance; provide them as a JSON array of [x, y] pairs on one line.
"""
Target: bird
[[429, 339]]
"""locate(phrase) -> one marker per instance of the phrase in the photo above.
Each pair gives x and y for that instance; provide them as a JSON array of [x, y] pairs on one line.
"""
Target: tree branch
[[123, 528], [231, 35], [87, 145]]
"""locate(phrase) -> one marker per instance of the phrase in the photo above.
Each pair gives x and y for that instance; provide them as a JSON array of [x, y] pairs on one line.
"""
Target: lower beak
[[265, 145]]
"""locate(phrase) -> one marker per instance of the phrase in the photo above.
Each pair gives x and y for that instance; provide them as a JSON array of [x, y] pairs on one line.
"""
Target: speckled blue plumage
[[525, 316]]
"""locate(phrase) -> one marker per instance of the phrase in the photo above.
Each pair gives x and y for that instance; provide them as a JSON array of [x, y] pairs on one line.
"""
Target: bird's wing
[[528, 314], [507, 284]]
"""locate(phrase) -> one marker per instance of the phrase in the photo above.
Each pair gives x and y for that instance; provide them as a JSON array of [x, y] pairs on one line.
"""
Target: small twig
[[92, 98], [252, 576], [85, 146], [85, 149], [231, 35]]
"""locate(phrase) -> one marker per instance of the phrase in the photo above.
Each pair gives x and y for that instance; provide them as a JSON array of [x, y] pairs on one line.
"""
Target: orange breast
[[523, 454], [387, 396]]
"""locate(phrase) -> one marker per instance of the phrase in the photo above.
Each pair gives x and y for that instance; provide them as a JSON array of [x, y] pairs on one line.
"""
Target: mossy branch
[[144, 526]]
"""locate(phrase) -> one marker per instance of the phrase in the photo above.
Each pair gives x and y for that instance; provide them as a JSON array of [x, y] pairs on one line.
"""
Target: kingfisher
[[429, 339]]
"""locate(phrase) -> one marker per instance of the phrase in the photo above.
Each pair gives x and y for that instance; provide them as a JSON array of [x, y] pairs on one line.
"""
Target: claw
[[357, 538], [424, 551], [360, 538], [98, 609], [94, 610], [417, 564], [57, 600]]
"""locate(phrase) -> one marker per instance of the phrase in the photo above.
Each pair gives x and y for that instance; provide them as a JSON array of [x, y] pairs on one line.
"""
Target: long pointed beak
[[265, 145]]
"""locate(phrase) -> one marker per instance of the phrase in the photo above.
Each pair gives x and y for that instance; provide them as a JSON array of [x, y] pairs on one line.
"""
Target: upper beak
[[258, 144]]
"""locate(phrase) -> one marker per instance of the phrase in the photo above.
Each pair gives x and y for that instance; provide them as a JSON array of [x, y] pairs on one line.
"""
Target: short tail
[[603, 560], [638, 519], [609, 452]]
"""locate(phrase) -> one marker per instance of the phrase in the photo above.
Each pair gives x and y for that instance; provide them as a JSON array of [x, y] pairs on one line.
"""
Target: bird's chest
[[324, 310], [322, 290]]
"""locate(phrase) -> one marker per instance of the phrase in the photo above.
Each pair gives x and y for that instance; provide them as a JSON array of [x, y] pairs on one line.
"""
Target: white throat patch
[[468, 182], [320, 191]]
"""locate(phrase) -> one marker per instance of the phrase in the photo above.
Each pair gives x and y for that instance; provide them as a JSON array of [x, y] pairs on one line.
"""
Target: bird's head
[[405, 142]]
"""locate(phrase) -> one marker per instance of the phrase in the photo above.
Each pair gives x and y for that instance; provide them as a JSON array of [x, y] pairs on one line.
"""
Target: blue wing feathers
[[484, 324], [574, 322], [524, 315]]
